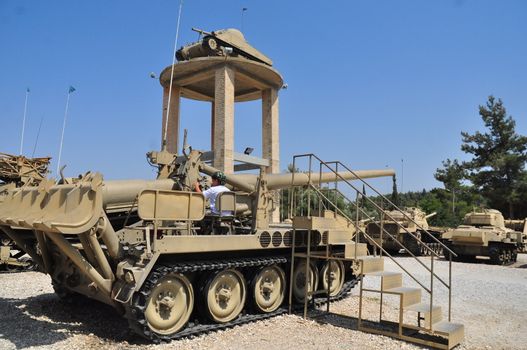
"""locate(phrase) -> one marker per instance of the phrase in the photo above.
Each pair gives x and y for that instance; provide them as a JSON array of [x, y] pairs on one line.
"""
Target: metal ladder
[[434, 332]]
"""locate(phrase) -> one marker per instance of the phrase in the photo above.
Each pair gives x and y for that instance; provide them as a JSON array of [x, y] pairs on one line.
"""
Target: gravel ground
[[490, 300]]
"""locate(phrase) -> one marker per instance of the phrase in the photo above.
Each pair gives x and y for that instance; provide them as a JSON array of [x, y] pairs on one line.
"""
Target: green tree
[[395, 195], [451, 175], [497, 168]]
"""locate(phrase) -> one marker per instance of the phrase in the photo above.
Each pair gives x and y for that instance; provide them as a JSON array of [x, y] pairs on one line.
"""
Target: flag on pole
[[27, 90], [72, 89]]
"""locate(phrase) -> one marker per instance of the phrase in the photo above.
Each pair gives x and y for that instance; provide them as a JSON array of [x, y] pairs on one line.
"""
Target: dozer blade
[[68, 209]]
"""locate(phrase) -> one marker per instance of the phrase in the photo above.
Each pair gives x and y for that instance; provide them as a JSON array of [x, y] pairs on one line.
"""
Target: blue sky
[[369, 82]]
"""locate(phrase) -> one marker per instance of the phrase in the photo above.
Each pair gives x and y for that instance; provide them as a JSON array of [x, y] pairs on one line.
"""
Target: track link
[[139, 325]]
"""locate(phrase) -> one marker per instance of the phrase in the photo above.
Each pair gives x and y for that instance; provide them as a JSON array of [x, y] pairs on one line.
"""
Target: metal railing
[[326, 202]]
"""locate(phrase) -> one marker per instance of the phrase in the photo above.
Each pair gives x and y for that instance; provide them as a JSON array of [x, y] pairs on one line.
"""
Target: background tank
[[224, 42], [150, 249], [17, 171], [415, 226], [483, 233]]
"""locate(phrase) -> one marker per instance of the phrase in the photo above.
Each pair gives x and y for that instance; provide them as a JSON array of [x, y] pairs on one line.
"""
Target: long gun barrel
[[125, 191], [278, 181], [431, 215]]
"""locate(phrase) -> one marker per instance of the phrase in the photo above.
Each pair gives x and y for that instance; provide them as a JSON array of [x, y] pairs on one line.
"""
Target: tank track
[[139, 325], [436, 247], [24, 263]]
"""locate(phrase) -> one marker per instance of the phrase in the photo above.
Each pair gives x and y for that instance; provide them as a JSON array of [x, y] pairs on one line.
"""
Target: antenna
[[243, 12], [164, 142], [24, 122], [38, 134], [70, 91], [402, 174]]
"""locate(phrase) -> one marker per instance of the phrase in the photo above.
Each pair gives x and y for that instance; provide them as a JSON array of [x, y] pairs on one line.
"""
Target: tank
[[152, 250], [17, 171], [224, 42], [401, 225], [483, 233]]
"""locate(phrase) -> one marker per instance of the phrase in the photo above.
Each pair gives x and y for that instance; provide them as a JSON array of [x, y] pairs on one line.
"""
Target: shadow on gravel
[[351, 323], [46, 320]]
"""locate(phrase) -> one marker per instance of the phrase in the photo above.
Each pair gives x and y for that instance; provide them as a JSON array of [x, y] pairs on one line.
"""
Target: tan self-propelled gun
[[150, 248], [404, 227]]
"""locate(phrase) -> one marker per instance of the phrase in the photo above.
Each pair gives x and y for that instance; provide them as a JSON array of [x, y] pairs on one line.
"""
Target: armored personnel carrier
[[17, 171], [150, 249], [224, 42], [401, 226], [483, 233]]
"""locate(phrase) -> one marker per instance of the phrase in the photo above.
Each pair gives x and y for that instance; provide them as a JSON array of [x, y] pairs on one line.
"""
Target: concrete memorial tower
[[223, 69]]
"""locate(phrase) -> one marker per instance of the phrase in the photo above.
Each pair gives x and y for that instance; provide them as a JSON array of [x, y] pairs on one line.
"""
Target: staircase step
[[424, 308], [316, 223], [389, 279], [409, 295], [350, 248], [393, 280], [454, 332], [371, 264]]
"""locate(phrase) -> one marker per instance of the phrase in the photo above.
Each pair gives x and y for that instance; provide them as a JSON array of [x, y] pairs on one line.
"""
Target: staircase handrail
[[358, 228], [375, 204]]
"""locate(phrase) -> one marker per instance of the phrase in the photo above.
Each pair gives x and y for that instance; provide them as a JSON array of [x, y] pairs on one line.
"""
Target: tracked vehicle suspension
[[197, 325]]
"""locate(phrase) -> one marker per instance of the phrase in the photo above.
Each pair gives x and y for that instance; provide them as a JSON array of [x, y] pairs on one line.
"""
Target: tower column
[[270, 131], [270, 138], [224, 119], [173, 118]]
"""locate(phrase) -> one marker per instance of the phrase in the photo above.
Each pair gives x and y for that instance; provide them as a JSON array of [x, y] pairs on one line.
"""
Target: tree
[[497, 168], [451, 174], [395, 195]]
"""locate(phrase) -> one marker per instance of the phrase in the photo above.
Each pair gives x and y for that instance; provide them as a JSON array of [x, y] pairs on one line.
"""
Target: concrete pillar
[[212, 121], [224, 119], [173, 118], [270, 131], [270, 136]]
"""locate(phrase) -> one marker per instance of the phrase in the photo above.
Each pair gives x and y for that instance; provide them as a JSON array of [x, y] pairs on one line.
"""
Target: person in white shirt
[[218, 186]]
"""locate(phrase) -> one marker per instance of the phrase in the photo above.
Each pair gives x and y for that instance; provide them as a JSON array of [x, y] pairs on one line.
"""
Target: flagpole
[[71, 89], [24, 122]]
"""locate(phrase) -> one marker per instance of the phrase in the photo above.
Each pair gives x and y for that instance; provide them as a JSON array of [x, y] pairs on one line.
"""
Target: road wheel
[[497, 256], [299, 280], [514, 255], [210, 43], [507, 256], [169, 304], [268, 288], [336, 276], [224, 295]]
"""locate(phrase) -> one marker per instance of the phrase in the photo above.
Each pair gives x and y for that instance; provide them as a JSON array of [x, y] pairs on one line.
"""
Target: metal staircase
[[312, 208]]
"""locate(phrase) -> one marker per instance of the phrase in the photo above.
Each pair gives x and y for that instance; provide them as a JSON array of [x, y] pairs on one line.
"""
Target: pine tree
[[395, 195], [497, 168], [451, 175]]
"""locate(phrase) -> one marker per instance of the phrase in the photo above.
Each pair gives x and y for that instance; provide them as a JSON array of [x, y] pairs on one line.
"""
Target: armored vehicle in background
[[17, 171], [150, 249], [517, 225], [224, 42], [483, 233], [400, 226]]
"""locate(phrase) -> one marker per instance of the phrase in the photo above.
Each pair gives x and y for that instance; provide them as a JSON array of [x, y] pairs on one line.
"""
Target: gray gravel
[[490, 300]]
